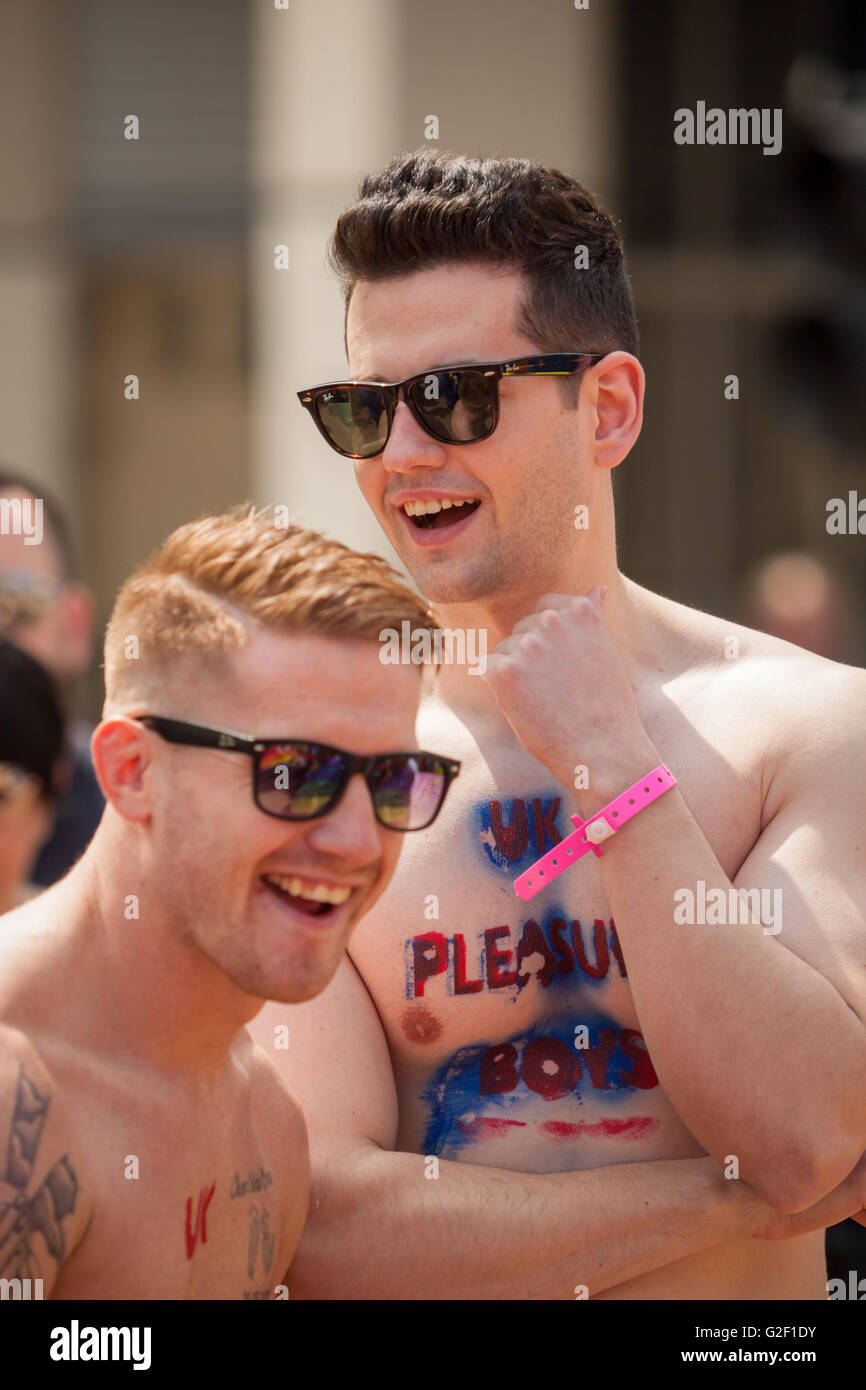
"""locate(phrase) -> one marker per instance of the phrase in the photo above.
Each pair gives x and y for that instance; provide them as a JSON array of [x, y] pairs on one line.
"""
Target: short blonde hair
[[207, 588]]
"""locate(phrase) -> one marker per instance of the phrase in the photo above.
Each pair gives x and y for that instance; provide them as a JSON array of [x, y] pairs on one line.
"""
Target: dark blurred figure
[[32, 769], [797, 598], [821, 347], [47, 612]]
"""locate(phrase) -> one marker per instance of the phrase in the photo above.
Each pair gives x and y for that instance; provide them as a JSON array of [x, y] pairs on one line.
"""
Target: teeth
[[318, 893], [435, 504]]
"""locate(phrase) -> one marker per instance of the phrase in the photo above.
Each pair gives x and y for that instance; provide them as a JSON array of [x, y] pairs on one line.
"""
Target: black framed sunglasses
[[299, 779], [456, 405]]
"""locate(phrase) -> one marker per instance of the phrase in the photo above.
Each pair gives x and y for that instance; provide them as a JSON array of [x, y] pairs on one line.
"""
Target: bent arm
[[775, 1014], [378, 1227]]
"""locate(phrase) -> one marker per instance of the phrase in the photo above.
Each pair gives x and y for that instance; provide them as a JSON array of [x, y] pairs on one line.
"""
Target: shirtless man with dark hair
[[613, 1088]]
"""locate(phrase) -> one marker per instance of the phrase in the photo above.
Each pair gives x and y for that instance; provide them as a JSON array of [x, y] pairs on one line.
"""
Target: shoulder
[[806, 712], [43, 1194], [735, 660]]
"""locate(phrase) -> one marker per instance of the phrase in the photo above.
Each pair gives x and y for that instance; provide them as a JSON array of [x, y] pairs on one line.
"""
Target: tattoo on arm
[[259, 1233], [21, 1218]]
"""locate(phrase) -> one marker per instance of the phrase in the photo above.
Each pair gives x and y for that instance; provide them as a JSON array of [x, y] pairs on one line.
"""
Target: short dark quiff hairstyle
[[431, 208]]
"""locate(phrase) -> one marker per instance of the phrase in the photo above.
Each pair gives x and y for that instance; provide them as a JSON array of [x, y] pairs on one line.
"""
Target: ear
[[76, 626], [618, 407], [121, 752]]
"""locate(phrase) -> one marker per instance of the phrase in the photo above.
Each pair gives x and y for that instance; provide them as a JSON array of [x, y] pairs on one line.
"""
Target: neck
[[628, 615], [161, 1001]]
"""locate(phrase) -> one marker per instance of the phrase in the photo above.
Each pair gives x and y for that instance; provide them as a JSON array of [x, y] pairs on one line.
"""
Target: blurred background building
[[154, 258]]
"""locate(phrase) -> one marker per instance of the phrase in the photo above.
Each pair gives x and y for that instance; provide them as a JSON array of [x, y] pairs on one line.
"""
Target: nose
[[350, 832], [409, 446]]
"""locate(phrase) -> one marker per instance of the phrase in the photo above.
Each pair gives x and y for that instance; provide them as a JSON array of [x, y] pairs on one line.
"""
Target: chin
[[438, 588], [303, 986], [301, 976]]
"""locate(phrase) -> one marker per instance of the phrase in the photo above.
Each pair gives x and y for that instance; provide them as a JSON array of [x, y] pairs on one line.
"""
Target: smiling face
[[525, 478], [239, 885]]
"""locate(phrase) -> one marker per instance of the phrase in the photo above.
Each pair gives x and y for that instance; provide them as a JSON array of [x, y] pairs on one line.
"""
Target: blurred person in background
[[45, 610], [796, 597], [31, 768]]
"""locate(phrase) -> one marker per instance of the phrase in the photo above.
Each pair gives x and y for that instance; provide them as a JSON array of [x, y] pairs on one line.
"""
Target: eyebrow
[[471, 361]]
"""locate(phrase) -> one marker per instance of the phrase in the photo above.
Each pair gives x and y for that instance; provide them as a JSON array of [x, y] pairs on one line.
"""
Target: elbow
[[791, 1176]]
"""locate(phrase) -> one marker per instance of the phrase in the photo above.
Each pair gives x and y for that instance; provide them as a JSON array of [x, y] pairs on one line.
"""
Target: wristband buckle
[[589, 835], [597, 830]]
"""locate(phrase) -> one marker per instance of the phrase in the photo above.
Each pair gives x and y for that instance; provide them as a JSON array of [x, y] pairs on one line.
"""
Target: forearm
[[775, 1055], [378, 1229]]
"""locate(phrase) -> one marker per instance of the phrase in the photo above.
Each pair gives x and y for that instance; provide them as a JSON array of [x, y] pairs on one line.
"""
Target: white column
[[324, 111]]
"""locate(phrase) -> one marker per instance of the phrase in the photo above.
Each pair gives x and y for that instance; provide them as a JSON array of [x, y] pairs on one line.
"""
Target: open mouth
[[438, 514], [306, 896]]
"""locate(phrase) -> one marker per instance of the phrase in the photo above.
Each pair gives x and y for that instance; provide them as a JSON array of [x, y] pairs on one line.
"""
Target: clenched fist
[[562, 685]]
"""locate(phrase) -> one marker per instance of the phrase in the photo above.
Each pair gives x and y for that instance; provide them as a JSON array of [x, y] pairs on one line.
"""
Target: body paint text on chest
[[517, 829], [498, 959]]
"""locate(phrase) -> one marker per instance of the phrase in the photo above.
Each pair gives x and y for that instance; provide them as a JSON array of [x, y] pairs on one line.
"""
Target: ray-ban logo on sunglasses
[[328, 396], [446, 646], [225, 741]]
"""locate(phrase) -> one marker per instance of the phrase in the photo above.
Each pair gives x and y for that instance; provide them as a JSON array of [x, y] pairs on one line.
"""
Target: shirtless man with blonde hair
[[514, 1098], [147, 1148]]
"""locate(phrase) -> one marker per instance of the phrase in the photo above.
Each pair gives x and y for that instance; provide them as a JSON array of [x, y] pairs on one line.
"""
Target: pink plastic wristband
[[589, 834]]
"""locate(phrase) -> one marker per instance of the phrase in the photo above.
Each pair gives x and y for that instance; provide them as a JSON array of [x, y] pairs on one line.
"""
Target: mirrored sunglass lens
[[355, 419], [457, 405], [297, 780], [408, 791]]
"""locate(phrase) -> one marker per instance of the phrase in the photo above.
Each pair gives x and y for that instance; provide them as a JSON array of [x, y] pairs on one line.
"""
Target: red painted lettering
[[596, 1059], [200, 1229], [616, 950], [461, 984], [557, 940], [494, 959], [429, 958], [498, 1072], [550, 1068], [544, 823], [532, 943], [599, 968], [510, 840], [643, 1073]]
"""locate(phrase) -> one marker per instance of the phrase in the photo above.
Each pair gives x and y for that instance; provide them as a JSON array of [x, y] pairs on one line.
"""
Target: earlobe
[[121, 757], [618, 407]]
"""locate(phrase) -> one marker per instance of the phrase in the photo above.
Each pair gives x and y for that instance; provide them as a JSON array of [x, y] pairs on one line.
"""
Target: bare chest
[[511, 1024], [185, 1205]]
